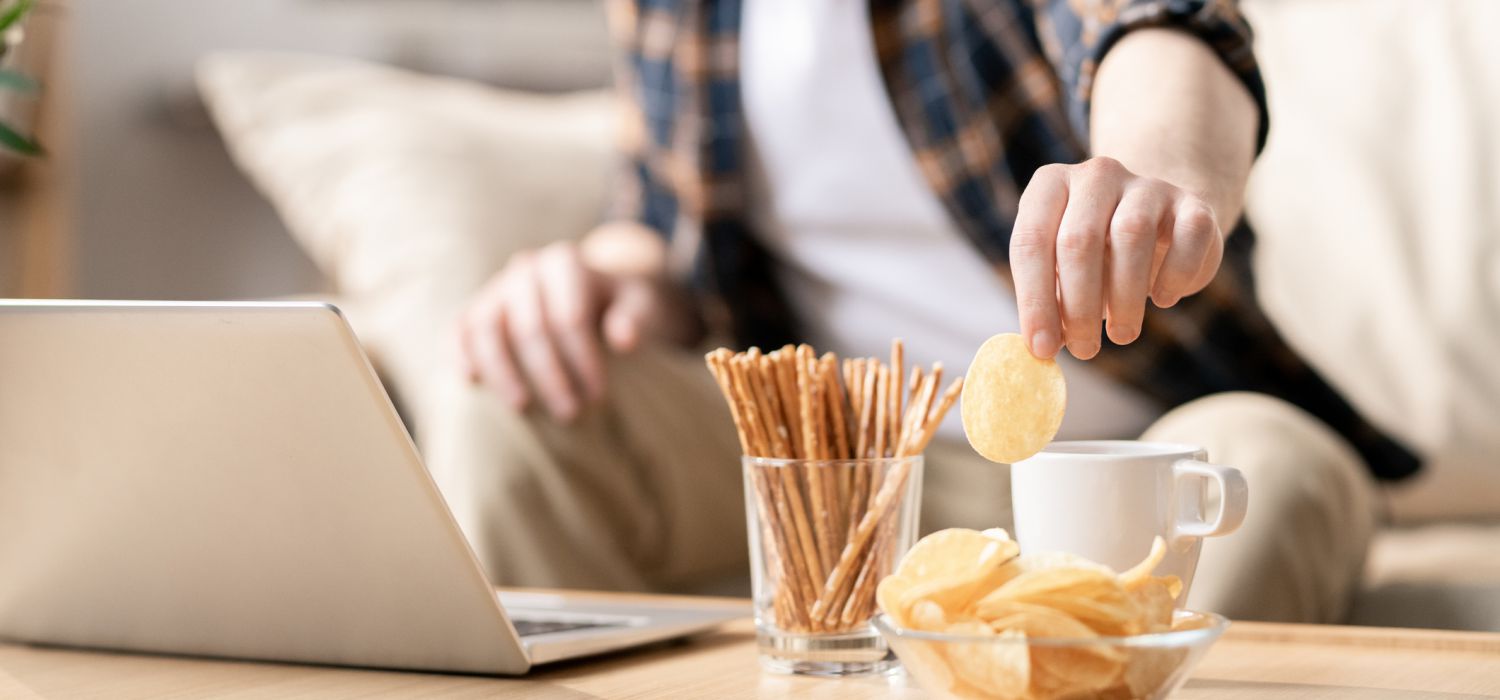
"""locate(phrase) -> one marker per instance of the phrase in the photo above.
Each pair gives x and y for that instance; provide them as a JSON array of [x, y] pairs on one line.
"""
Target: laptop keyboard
[[531, 627]]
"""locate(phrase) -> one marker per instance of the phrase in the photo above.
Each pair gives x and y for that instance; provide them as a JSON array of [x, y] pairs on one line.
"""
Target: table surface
[[1252, 660]]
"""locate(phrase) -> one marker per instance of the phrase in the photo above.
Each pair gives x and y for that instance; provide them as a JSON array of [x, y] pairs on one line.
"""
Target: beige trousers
[[644, 492]]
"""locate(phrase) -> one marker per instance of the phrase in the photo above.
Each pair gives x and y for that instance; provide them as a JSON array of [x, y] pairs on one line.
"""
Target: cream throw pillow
[[407, 190], [1378, 205]]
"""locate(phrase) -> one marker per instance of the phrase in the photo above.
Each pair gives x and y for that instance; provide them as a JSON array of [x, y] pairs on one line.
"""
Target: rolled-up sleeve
[[1076, 34], [642, 74]]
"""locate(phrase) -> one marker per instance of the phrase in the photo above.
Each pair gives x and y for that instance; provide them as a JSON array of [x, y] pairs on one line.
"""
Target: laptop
[[231, 480]]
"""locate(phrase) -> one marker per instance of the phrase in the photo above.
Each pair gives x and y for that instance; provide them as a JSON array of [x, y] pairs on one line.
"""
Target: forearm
[[1165, 106]]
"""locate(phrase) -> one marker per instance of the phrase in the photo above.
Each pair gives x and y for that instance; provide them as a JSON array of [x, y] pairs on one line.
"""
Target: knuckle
[[559, 253], [1051, 170], [1074, 242], [1082, 318], [1034, 306], [570, 317], [521, 259], [1099, 166], [1197, 220], [526, 326], [1028, 242], [1133, 227]]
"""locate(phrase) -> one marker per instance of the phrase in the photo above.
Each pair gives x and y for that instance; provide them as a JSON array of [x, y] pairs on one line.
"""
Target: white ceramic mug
[[1106, 500]]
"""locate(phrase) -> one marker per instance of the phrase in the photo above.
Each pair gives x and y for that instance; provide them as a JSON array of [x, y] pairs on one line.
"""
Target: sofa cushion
[[1376, 204], [404, 188], [1439, 575]]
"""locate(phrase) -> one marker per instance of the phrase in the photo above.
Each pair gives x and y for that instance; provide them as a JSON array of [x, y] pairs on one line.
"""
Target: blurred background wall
[[140, 200]]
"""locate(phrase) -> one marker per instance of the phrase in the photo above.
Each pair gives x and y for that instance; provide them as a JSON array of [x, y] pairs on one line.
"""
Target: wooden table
[[1253, 660]]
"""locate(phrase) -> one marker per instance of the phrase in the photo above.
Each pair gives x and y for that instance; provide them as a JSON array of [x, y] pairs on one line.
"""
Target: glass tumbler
[[823, 533]]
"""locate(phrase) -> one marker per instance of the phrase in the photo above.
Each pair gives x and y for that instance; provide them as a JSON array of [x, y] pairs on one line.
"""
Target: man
[[847, 171]]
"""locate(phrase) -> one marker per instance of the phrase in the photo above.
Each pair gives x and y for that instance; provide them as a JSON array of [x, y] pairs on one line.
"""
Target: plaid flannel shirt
[[986, 92]]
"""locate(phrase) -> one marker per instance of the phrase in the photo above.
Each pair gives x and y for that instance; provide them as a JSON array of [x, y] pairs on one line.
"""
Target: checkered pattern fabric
[[986, 92]]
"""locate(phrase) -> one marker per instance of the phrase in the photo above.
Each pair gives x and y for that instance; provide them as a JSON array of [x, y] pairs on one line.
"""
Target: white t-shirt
[[865, 250]]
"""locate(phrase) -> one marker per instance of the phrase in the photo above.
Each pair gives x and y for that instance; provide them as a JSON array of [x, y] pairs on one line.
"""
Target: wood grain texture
[[1254, 660]]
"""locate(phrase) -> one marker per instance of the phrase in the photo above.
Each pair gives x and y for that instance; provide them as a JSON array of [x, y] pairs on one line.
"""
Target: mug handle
[[1234, 498]]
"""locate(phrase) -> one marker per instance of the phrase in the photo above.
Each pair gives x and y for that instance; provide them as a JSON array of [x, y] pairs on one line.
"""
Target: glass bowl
[[1006, 666]]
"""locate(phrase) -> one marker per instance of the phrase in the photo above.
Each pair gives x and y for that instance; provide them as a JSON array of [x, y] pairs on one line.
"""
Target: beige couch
[[1375, 199]]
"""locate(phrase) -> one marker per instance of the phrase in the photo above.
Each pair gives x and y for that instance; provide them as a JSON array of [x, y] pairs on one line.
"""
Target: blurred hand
[[539, 328], [1093, 241]]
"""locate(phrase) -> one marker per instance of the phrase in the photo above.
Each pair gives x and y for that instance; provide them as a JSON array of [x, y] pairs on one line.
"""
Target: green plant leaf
[[16, 82], [15, 13], [9, 138]]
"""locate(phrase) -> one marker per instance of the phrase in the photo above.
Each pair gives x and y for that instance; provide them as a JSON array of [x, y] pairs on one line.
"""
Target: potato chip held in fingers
[[1013, 403]]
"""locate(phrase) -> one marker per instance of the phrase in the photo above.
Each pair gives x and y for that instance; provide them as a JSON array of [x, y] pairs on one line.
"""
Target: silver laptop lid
[[224, 480]]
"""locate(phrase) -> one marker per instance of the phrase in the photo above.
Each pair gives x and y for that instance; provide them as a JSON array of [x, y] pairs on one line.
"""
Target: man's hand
[[1093, 241], [539, 328]]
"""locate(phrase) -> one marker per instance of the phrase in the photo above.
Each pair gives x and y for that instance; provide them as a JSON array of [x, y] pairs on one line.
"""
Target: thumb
[[629, 315]]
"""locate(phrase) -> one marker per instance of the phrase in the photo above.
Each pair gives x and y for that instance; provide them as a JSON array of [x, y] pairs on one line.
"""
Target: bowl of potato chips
[[970, 617]]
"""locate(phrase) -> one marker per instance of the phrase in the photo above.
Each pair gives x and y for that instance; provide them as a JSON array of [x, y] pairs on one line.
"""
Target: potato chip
[[927, 615], [925, 661], [1037, 561], [974, 584], [1093, 597], [1012, 403], [1155, 600], [1141, 571], [1043, 623], [1148, 668], [1000, 670], [951, 568], [1063, 670]]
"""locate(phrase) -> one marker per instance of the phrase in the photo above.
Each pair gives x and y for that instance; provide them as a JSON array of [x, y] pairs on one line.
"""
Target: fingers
[[1133, 232], [570, 305], [486, 354], [533, 332], [1033, 261], [628, 315], [1093, 242], [1192, 259], [531, 339], [1094, 193]]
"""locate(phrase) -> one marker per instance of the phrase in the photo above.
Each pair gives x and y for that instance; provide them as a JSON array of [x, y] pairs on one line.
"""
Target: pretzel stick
[[913, 386], [856, 609], [916, 413], [866, 411], [764, 396], [786, 380], [898, 359], [836, 475], [862, 469], [764, 375], [810, 393], [843, 472], [836, 401], [841, 578], [739, 379], [774, 537], [792, 509], [949, 397], [720, 365], [882, 406], [790, 404], [882, 503], [715, 362]]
